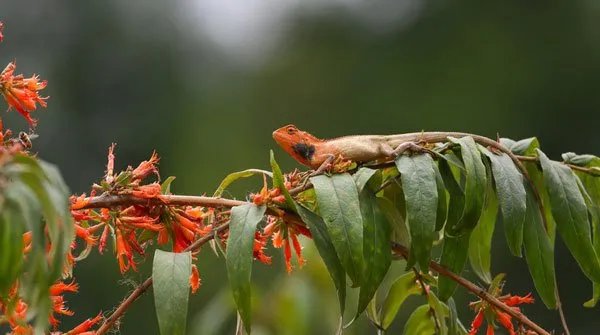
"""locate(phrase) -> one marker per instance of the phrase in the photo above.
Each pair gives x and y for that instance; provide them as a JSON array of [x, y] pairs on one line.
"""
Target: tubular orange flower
[[124, 254], [477, 322], [516, 300], [79, 202], [110, 165], [103, 239], [145, 168], [58, 302], [147, 191], [83, 327], [194, 279], [22, 93], [260, 241]]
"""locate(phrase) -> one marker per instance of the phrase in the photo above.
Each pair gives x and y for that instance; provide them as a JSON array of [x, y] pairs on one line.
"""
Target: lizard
[[315, 152], [318, 153]]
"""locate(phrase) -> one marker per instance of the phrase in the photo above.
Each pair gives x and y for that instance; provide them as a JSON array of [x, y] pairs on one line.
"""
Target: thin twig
[[140, 290], [483, 294]]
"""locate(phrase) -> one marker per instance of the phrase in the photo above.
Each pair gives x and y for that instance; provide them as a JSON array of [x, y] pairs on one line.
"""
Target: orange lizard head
[[299, 144]]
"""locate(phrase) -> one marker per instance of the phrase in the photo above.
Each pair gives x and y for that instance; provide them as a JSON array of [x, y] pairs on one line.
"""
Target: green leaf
[[420, 322], [455, 327], [376, 246], [339, 206], [326, 250], [591, 186], [456, 202], [454, 258], [511, 196], [539, 253], [570, 213], [11, 248], [362, 177], [402, 288], [480, 242], [399, 230], [171, 285], [237, 175], [239, 255], [475, 183], [440, 312], [420, 193], [442, 209], [522, 147], [165, 187], [279, 182]]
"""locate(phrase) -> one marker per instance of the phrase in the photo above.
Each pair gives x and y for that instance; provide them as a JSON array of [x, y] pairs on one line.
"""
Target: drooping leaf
[[456, 202], [455, 327], [237, 175], [480, 242], [339, 206], [420, 322], [591, 184], [570, 213], [454, 258], [239, 255], [539, 253], [442, 209], [279, 182], [403, 287], [475, 182], [420, 193], [440, 313], [171, 286], [11, 247], [399, 230], [327, 251], [362, 177], [376, 243], [511, 197]]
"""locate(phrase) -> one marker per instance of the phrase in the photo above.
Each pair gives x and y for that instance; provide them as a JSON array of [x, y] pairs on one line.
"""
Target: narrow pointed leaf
[[420, 322], [511, 196], [327, 251], [239, 255], [402, 288], [440, 313], [442, 209], [420, 193], [539, 253], [376, 246], [171, 286], [480, 242], [475, 182], [455, 327], [339, 206], [278, 181], [454, 258], [399, 230], [570, 213], [230, 178]]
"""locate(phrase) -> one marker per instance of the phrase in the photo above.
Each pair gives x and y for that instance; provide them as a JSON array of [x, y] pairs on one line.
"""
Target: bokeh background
[[205, 82]]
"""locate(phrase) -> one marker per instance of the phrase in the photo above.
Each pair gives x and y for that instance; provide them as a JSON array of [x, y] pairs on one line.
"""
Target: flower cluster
[[490, 313], [22, 93], [135, 225]]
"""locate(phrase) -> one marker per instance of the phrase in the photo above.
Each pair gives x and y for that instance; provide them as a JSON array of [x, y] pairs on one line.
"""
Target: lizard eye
[[291, 131]]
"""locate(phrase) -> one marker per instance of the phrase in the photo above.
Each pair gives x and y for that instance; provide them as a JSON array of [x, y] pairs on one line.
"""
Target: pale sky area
[[248, 29]]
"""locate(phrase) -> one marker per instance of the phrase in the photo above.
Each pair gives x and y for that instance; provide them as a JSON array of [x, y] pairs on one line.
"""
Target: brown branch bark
[[480, 292]]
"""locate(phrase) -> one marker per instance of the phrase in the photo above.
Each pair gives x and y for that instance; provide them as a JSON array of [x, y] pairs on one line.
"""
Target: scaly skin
[[313, 152]]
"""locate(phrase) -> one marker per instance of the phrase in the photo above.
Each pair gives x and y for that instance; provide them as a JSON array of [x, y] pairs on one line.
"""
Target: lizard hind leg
[[411, 147]]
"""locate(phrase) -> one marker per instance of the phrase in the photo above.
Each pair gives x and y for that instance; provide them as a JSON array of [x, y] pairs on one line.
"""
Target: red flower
[[482, 307], [22, 93], [83, 327], [281, 233], [58, 301], [145, 168], [194, 279]]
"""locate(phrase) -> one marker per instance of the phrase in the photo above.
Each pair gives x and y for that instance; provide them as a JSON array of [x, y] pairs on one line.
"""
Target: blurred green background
[[205, 82]]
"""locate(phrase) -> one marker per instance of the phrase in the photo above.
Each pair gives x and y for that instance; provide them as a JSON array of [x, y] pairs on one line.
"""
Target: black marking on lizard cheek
[[304, 150]]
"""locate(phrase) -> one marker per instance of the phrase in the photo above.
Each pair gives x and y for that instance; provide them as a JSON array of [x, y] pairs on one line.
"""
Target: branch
[[402, 250], [123, 306]]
